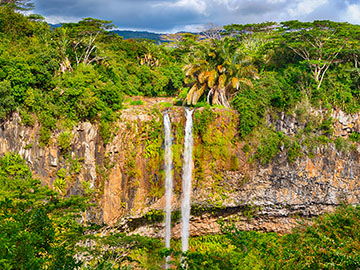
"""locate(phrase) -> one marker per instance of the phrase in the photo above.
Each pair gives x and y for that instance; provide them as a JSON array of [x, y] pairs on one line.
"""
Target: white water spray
[[168, 182], [186, 181]]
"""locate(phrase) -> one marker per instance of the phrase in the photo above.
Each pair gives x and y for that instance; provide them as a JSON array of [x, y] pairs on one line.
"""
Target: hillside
[[274, 134], [128, 34]]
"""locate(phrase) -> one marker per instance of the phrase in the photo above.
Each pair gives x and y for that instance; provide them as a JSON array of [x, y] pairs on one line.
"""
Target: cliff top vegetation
[[82, 71]]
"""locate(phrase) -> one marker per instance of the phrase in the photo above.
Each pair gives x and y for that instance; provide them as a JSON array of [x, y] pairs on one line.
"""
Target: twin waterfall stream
[[186, 181]]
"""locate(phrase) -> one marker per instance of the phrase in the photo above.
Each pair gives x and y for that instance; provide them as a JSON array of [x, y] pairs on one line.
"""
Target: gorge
[[239, 146], [127, 174]]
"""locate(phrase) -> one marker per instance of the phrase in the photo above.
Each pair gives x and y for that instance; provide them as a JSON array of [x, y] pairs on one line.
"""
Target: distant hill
[[128, 34], [55, 25]]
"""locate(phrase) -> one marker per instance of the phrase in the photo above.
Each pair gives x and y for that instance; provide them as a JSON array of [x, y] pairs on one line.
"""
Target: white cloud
[[352, 14], [188, 28], [198, 6], [229, 4], [174, 15], [276, 1], [60, 19], [305, 7]]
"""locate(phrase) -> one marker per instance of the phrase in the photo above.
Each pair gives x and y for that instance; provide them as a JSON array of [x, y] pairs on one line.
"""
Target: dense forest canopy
[[82, 72]]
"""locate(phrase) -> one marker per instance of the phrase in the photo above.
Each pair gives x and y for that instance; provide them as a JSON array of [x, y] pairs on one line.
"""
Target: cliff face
[[125, 177]]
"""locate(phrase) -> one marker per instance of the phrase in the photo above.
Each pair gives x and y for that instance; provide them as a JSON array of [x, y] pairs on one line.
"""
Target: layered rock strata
[[125, 177]]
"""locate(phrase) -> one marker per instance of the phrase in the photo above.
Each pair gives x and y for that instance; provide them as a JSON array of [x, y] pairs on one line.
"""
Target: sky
[[171, 16]]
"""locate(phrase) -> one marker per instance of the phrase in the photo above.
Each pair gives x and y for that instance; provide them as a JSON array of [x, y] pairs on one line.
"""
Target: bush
[[269, 146], [38, 227], [7, 101], [64, 141], [332, 241], [294, 152]]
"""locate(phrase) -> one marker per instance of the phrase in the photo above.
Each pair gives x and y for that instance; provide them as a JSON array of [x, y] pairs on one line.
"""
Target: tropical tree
[[38, 228], [256, 40], [218, 71], [84, 37], [318, 43]]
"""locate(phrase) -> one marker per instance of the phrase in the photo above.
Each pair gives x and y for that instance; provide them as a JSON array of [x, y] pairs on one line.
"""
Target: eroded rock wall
[[125, 177]]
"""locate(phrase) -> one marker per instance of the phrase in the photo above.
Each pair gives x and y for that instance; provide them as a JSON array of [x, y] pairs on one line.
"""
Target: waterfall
[[186, 180], [168, 182]]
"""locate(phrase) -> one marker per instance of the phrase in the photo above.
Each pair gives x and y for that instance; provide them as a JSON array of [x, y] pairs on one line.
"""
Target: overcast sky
[[192, 15]]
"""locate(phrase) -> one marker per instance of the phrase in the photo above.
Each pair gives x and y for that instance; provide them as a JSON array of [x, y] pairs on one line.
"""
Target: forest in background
[[83, 72]]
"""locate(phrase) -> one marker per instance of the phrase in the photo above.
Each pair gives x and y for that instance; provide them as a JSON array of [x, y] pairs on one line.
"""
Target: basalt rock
[[125, 177]]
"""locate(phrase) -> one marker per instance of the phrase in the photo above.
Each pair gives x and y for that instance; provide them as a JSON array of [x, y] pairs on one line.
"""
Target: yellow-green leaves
[[222, 80], [219, 70], [212, 78], [235, 82]]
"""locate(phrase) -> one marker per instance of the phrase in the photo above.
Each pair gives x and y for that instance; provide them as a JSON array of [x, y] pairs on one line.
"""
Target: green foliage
[[28, 146], [251, 108], [234, 163], [124, 252], [45, 135], [341, 144], [294, 151], [330, 242], [75, 164], [39, 231], [285, 87], [76, 72], [327, 126], [218, 70], [27, 118], [88, 190], [48, 74], [18, 5], [269, 146], [106, 129], [61, 173], [202, 121], [354, 136], [60, 185], [7, 101], [38, 227], [154, 216], [64, 141], [136, 102]]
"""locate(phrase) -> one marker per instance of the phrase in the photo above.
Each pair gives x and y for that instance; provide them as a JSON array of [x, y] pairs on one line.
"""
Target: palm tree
[[218, 70]]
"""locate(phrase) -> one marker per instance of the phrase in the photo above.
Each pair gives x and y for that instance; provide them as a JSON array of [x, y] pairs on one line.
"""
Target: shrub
[[269, 146], [64, 141]]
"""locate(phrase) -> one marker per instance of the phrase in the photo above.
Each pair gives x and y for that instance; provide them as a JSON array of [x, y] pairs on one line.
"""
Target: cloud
[[276, 1], [198, 6], [175, 15], [306, 7], [60, 19], [352, 13]]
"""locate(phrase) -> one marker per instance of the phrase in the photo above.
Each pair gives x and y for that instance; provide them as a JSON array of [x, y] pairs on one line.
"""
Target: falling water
[[168, 182], [186, 180]]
